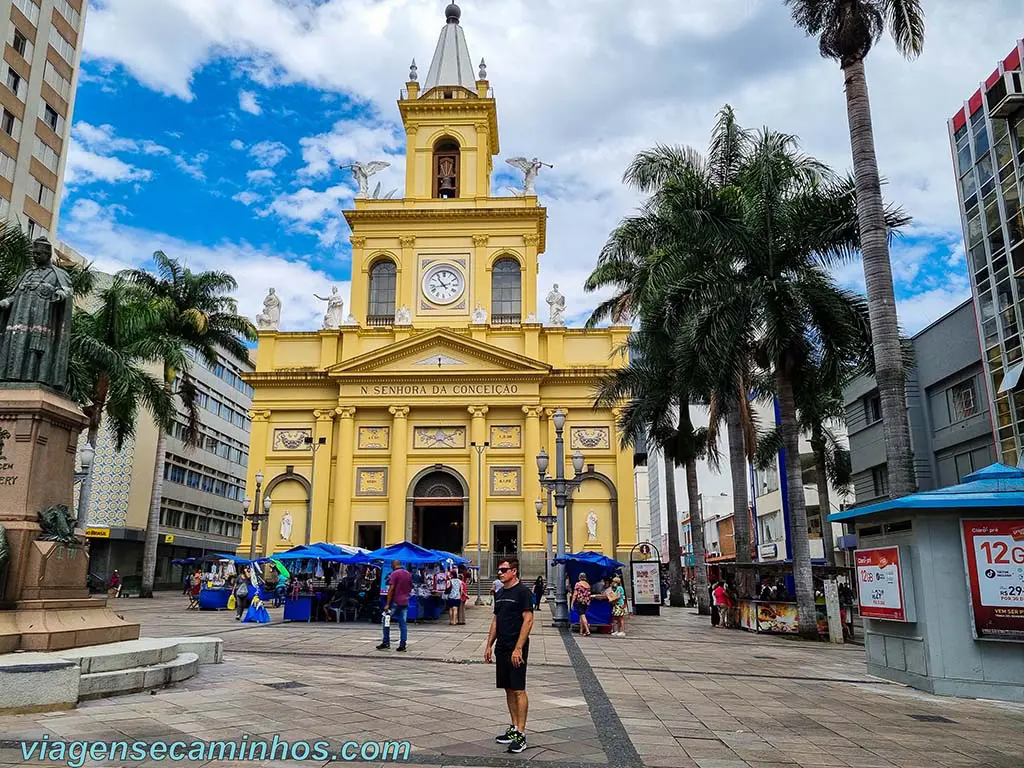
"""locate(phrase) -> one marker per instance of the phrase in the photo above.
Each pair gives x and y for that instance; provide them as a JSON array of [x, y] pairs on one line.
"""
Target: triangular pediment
[[439, 351]]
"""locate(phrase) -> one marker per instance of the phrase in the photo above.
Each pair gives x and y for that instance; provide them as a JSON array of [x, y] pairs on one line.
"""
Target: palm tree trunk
[[740, 504], [824, 503], [878, 279], [802, 575], [155, 503], [676, 596], [697, 534]]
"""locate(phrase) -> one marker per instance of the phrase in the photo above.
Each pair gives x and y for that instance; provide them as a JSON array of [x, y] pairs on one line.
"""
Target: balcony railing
[[506, 319], [380, 321]]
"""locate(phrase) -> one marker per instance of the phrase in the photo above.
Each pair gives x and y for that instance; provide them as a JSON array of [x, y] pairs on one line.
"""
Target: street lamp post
[[256, 516], [86, 456], [561, 487], [316, 446], [549, 521], [480, 448]]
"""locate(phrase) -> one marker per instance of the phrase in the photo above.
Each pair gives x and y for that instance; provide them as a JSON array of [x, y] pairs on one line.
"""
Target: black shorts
[[509, 677]]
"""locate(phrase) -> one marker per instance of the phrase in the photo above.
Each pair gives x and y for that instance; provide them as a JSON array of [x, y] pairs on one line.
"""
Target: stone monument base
[[44, 602]]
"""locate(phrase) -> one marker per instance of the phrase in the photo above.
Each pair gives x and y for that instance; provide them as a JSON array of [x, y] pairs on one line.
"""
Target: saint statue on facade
[[35, 323], [362, 173], [286, 527], [592, 526], [556, 302], [530, 169], [270, 318], [479, 315], [335, 309]]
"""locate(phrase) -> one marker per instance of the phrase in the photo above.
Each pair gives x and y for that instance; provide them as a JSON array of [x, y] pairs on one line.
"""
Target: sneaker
[[384, 646], [400, 648], [518, 742], [506, 737]]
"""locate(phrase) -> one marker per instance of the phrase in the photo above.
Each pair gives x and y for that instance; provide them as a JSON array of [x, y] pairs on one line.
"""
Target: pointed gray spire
[[451, 64], [413, 72], [483, 69]]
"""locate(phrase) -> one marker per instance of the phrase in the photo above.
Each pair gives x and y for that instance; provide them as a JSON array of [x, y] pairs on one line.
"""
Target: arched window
[[446, 169], [383, 277], [506, 292]]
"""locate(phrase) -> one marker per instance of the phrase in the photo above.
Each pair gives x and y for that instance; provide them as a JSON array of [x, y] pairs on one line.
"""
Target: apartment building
[[204, 486], [951, 427], [987, 138], [37, 99]]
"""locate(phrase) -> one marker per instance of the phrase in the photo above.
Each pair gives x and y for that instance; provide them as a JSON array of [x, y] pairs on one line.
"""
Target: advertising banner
[[883, 584], [994, 553], [646, 583]]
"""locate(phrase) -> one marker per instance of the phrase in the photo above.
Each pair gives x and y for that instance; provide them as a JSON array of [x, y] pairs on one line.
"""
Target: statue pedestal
[[592, 546], [44, 602]]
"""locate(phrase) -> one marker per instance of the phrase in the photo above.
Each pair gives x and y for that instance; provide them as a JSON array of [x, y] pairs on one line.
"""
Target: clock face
[[443, 284]]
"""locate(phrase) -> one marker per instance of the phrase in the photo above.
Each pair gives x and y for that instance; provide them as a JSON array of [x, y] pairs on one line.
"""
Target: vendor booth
[[429, 576], [597, 567], [218, 570], [312, 590], [940, 576]]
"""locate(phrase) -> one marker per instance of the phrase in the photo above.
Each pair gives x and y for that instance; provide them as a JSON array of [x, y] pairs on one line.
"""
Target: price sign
[[994, 553], [883, 584]]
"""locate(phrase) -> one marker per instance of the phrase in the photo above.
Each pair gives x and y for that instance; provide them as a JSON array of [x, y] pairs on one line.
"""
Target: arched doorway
[[438, 511]]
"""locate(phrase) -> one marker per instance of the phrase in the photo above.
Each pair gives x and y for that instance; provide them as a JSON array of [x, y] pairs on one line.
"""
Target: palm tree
[[657, 404], [196, 317], [847, 30]]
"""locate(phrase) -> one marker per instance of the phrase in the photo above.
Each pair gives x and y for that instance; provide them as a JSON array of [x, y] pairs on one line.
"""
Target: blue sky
[[213, 130]]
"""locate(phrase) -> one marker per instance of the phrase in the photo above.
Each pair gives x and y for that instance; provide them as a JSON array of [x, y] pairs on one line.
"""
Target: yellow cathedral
[[425, 410]]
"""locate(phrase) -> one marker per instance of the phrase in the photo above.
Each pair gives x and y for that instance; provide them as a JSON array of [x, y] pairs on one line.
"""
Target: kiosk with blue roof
[[940, 580]]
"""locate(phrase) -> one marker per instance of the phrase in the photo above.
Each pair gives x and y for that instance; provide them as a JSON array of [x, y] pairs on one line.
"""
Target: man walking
[[510, 636], [399, 589]]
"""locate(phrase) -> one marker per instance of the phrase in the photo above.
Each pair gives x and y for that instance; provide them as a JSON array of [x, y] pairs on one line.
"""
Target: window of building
[[7, 166], [872, 409], [383, 278], [506, 291], [70, 14], [57, 81], [20, 43], [29, 9], [767, 480], [880, 480], [52, 118], [446, 169], [35, 229], [962, 399], [46, 154], [9, 123], [41, 193], [15, 82], [65, 49], [5, 208]]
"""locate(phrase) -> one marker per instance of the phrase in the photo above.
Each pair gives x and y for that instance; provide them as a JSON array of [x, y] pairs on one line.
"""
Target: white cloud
[[247, 102], [237, 144], [268, 153], [924, 308], [95, 231], [247, 197], [260, 176], [101, 138], [597, 86], [85, 167], [192, 167]]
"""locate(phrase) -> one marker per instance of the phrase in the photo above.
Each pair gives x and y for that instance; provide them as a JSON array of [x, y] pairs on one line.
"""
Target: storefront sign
[[994, 553], [169, 538], [97, 533], [646, 583], [883, 584], [768, 552]]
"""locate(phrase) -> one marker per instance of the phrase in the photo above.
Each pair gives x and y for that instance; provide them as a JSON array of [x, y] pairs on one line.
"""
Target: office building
[[987, 137], [950, 419], [37, 99]]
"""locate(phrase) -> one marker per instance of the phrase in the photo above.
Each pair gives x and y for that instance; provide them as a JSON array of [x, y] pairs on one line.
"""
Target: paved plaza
[[673, 693]]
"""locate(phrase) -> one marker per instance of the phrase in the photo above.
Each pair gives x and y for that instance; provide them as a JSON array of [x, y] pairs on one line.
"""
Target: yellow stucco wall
[[371, 392]]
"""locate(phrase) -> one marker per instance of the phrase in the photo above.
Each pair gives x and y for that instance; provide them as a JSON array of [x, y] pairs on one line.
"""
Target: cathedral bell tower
[[451, 122]]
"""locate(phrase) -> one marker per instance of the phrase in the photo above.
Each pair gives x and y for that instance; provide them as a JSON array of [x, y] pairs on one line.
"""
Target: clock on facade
[[443, 284]]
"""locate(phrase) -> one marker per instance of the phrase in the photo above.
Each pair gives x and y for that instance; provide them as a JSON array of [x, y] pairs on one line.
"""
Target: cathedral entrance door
[[438, 513]]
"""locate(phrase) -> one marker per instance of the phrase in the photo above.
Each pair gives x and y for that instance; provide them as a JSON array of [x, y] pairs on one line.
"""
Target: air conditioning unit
[[1006, 95]]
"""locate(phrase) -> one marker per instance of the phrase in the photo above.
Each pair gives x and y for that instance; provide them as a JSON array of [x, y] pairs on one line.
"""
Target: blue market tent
[[406, 552], [232, 558], [457, 559], [597, 567]]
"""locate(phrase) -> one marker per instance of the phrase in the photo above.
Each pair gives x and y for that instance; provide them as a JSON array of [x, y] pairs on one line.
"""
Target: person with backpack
[[580, 600]]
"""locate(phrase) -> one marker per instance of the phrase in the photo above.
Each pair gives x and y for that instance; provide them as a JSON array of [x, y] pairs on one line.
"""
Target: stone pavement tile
[[716, 763]]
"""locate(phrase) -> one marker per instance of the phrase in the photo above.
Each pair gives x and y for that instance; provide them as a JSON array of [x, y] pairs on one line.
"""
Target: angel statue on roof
[[362, 173], [530, 169]]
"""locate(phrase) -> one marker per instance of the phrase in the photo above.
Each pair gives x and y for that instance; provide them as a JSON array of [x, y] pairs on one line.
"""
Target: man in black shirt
[[510, 636]]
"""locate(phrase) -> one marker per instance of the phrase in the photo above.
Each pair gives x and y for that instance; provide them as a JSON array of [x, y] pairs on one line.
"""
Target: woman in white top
[[453, 595]]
